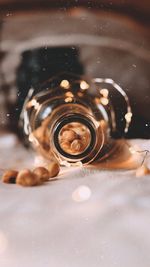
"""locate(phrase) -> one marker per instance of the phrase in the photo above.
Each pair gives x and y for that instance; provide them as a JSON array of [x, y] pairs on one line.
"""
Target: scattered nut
[[9, 177], [27, 178], [42, 173], [141, 171], [53, 169]]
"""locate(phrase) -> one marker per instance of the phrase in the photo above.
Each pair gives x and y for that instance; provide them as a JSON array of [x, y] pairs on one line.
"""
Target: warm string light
[[65, 84], [128, 115], [133, 151], [104, 101], [104, 92], [84, 85], [69, 94], [145, 156], [68, 99]]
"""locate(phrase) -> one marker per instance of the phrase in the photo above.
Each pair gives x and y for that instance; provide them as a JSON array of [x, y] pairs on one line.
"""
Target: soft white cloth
[[45, 226]]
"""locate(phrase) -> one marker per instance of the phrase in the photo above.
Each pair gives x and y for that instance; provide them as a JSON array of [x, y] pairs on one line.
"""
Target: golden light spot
[[68, 99], [104, 101], [104, 92], [80, 94], [82, 193], [69, 94], [65, 84], [132, 150], [128, 116], [84, 85]]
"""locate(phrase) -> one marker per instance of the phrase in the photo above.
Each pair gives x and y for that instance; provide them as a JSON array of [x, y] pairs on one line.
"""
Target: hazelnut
[[42, 173], [27, 178], [53, 169], [69, 135], [79, 131], [9, 177], [141, 171], [76, 145], [65, 145]]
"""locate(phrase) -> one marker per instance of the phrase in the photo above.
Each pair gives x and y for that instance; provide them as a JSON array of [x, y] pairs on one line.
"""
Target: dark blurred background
[[136, 8], [97, 38]]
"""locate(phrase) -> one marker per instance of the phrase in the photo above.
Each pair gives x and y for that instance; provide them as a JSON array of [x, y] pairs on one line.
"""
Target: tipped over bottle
[[76, 119]]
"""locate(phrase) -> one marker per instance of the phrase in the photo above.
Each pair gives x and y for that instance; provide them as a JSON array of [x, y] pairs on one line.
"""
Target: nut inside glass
[[74, 138]]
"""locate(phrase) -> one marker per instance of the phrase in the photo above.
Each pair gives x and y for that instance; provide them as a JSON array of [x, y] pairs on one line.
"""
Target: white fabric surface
[[43, 226]]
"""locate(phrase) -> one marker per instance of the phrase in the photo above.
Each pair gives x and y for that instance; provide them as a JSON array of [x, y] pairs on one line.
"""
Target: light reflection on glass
[[33, 103], [128, 117]]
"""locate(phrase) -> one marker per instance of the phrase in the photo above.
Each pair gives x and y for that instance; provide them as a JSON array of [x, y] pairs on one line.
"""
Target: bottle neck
[[75, 136]]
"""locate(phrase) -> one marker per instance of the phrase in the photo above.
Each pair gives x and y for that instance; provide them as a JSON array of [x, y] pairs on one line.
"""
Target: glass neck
[[75, 136]]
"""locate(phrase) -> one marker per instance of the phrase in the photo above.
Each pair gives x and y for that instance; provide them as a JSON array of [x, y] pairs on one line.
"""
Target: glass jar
[[74, 118]]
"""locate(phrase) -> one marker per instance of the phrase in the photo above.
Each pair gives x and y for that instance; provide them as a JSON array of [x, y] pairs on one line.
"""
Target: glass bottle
[[74, 118]]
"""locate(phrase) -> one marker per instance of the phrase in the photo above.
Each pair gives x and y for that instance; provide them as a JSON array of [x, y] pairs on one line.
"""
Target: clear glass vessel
[[74, 118]]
